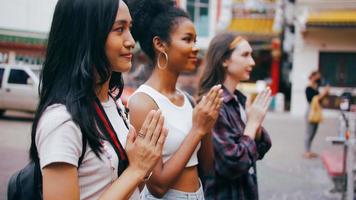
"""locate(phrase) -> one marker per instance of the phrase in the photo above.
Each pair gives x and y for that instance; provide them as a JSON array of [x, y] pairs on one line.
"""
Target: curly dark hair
[[154, 18]]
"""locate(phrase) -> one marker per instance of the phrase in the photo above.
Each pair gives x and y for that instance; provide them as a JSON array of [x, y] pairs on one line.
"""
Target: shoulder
[[58, 138], [141, 101], [56, 117], [310, 89], [140, 104]]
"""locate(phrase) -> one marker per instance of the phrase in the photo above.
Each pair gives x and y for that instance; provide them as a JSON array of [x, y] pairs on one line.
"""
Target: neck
[[163, 81], [102, 91], [230, 84], [313, 84]]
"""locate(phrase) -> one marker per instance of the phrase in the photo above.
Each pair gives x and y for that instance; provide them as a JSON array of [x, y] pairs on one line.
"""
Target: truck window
[[1, 75], [18, 76]]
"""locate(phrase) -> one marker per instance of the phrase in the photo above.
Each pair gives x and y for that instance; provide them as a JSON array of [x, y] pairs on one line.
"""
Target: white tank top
[[177, 119]]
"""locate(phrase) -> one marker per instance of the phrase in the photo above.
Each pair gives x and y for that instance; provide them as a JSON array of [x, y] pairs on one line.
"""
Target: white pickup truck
[[19, 87]]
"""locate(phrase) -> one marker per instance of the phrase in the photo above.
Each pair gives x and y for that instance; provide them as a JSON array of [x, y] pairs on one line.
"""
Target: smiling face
[[182, 51], [240, 63], [119, 43]]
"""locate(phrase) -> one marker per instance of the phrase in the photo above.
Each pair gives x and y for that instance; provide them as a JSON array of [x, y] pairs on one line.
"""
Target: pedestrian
[[80, 128], [167, 36], [314, 112], [238, 138]]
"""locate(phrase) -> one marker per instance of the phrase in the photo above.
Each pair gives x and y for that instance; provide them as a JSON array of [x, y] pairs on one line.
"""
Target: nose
[[252, 62], [196, 48], [129, 41]]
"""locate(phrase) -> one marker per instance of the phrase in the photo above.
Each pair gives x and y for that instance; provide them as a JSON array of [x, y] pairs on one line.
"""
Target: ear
[[158, 44], [225, 63]]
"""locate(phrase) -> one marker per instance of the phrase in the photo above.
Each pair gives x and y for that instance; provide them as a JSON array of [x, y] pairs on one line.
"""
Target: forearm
[[206, 154], [324, 93], [124, 186], [251, 130], [167, 173]]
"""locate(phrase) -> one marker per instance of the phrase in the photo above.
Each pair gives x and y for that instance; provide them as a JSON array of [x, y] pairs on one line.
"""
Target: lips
[[128, 55], [195, 59]]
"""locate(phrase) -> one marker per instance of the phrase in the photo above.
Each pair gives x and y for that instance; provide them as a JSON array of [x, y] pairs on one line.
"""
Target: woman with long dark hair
[[238, 138], [80, 134], [167, 35]]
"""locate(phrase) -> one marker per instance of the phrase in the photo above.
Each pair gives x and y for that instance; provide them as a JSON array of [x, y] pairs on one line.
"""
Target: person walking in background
[[80, 128], [168, 37], [238, 138], [314, 112]]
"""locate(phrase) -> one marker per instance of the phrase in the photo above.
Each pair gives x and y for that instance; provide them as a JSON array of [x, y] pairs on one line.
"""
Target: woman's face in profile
[[183, 52], [119, 43], [240, 63]]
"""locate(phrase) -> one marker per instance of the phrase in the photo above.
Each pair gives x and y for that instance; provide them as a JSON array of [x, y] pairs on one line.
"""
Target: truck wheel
[[2, 112]]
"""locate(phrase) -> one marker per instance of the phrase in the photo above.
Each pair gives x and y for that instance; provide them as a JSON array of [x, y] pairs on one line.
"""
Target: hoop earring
[[158, 63]]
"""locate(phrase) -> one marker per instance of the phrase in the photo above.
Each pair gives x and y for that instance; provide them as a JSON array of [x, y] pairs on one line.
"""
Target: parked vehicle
[[19, 87]]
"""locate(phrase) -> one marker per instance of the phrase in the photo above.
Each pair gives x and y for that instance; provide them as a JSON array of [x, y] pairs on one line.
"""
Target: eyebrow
[[190, 34], [247, 51], [123, 21]]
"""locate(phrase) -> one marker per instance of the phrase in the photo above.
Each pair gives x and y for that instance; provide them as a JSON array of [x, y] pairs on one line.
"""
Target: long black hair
[[76, 62], [218, 51], [154, 18]]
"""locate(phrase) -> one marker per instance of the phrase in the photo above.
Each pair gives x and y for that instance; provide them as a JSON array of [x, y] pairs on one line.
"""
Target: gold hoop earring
[[158, 63]]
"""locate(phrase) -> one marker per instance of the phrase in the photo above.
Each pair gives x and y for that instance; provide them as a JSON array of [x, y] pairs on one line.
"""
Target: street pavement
[[283, 174], [15, 140]]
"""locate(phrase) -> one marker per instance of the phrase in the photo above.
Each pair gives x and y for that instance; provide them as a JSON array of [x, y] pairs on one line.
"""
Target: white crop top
[[177, 119]]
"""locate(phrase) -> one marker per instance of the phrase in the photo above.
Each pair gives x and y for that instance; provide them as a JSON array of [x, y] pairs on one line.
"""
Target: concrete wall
[[306, 58], [27, 15]]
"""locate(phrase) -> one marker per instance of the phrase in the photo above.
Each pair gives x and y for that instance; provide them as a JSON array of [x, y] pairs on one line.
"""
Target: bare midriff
[[188, 181]]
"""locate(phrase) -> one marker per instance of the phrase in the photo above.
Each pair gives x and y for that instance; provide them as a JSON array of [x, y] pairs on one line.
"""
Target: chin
[[123, 67], [246, 78], [191, 68]]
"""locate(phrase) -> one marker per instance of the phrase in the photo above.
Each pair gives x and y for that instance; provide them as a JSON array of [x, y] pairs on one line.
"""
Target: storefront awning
[[21, 40], [332, 19], [252, 26], [16, 39]]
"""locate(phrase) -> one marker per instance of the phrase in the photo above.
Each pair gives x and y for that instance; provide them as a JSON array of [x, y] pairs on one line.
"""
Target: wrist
[[252, 125], [136, 174], [251, 130], [198, 133]]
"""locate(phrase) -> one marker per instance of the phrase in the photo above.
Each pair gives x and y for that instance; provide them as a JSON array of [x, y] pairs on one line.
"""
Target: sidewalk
[[284, 174]]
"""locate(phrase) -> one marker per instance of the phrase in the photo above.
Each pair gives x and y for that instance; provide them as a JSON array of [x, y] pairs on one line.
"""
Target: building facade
[[323, 39], [24, 26]]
